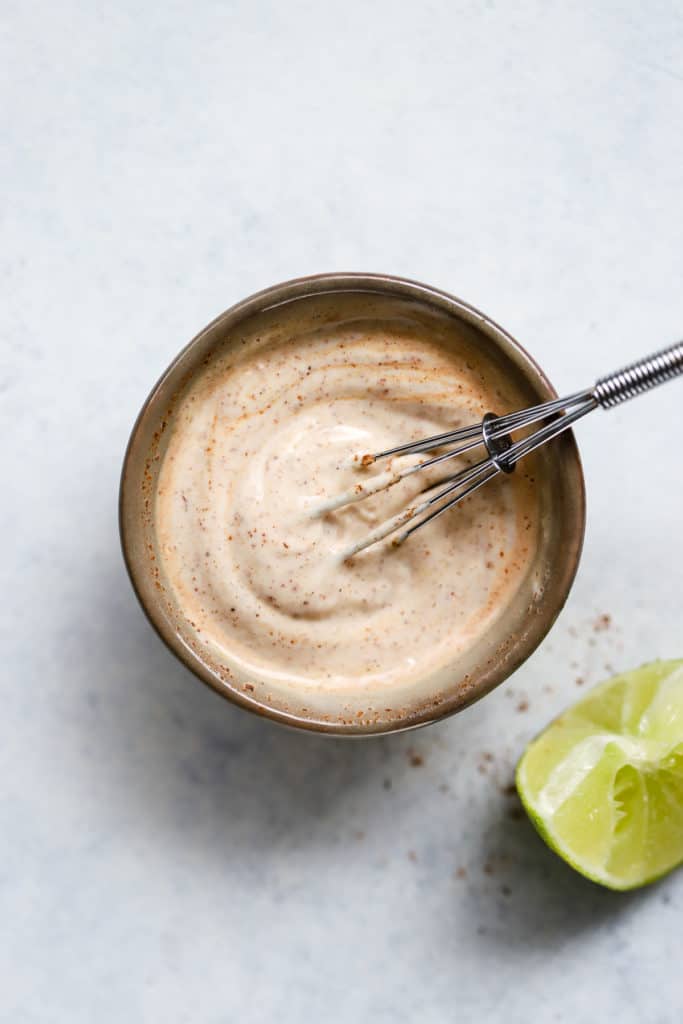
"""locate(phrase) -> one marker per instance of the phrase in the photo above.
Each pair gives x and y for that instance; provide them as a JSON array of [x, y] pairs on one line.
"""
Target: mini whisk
[[502, 453]]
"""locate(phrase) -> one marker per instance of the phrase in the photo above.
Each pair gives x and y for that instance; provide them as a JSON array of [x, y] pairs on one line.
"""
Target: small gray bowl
[[520, 626]]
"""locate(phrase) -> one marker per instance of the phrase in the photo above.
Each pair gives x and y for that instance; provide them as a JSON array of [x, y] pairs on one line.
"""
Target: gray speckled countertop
[[163, 856]]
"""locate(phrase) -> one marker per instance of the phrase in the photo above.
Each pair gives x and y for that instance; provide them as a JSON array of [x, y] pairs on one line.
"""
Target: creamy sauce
[[262, 438]]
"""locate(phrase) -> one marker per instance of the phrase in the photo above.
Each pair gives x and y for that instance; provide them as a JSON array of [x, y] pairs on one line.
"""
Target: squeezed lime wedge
[[603, 784]]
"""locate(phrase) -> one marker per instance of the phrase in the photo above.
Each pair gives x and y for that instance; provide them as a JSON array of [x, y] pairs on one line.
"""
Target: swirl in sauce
[[261, 438]]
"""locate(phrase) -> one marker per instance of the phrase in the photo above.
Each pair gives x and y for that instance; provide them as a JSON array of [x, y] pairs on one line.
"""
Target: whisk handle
[[639, 377]]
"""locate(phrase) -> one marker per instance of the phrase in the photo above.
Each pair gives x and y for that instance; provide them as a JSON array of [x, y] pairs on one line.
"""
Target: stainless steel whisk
[[502, 453]]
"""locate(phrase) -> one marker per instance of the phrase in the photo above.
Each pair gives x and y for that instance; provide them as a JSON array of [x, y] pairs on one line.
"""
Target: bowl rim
[[336, 283]]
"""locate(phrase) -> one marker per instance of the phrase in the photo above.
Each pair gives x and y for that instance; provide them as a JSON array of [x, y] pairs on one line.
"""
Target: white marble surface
[[163, 856]]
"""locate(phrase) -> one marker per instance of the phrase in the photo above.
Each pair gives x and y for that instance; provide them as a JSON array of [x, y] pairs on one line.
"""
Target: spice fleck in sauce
[[261, 438]]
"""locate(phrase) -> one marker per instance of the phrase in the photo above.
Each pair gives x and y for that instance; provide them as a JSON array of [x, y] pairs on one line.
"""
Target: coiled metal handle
[[639, 377]]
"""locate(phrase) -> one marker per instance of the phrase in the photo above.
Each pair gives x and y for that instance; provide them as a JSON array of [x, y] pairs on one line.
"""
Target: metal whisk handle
[[639, 377]]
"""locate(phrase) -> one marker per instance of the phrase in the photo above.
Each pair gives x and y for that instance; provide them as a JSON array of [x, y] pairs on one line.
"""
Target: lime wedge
[[603, 784]]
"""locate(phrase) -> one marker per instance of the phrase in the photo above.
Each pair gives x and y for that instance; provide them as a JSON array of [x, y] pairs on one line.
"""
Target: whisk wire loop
[[503, 454]]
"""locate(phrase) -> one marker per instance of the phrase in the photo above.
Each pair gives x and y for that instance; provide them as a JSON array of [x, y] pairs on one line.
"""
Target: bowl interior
[[328, 300]]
